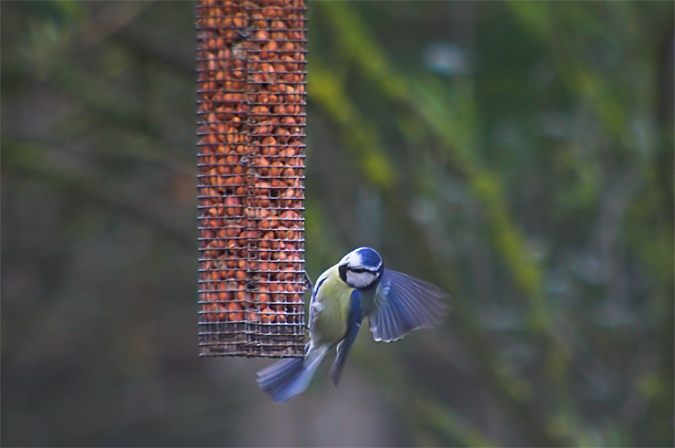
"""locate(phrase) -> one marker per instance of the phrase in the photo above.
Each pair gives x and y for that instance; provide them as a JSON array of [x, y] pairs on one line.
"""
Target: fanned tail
[[290, 377]]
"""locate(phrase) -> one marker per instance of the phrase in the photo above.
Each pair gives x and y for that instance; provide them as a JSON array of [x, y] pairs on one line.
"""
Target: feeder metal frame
[[251, 68]]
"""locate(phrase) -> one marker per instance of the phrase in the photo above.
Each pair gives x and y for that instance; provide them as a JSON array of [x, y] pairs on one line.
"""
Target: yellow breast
[[329, 308]]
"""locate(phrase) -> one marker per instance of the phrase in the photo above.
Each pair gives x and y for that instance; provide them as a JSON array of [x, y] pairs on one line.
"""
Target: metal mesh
[[251, 64]]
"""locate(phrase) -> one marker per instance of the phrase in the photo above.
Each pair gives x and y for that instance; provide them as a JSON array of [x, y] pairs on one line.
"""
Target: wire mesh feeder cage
[[251, 65]]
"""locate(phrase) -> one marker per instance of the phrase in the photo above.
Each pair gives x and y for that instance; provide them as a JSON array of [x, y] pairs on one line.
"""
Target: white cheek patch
[[360, 279]]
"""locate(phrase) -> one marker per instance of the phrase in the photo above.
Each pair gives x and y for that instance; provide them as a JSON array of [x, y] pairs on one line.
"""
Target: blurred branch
[[514, 392], [448, 422], [457, 129], [418, 406], [107, 20], [164, 49], [456, 126], [618, 103], [27, 158], [94, 98], [361, 136], [606, 94]]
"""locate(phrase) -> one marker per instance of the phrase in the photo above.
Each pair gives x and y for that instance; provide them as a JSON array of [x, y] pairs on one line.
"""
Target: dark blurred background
[[518, 154]]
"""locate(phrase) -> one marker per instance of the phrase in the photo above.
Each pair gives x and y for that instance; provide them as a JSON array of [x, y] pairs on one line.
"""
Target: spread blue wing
[[353, 326], [403, 304]]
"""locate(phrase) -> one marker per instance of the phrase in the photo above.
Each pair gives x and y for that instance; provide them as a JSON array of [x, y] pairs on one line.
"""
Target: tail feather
[[290, 377]]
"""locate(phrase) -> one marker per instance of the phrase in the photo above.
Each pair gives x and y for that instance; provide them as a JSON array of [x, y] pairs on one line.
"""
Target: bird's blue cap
[[369, 257]]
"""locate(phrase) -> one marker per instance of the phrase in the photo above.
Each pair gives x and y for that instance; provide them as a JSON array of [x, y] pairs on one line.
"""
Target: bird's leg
[[308, 282], [310, 286]]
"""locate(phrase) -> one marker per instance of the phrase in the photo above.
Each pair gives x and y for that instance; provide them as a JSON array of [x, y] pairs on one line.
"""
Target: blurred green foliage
[[518, 154]]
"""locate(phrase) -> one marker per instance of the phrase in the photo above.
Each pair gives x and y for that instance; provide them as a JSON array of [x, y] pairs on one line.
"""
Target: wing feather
[[404, 303]]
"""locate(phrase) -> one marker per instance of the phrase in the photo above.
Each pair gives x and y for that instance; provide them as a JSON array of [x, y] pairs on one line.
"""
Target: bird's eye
[[358, 270]]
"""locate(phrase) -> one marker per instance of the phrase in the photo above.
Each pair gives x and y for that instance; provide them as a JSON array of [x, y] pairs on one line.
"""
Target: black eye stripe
[[361, 270]]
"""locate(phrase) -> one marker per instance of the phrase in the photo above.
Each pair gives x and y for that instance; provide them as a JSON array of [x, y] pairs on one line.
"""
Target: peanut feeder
[[251, 66]]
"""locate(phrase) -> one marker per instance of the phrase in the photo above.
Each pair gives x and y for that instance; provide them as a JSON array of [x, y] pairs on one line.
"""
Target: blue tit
[[356, 288]]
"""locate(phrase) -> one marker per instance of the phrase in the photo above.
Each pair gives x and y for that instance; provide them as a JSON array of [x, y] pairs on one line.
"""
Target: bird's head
[[361, 268]]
